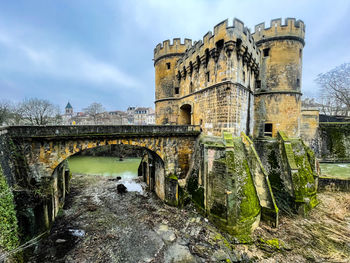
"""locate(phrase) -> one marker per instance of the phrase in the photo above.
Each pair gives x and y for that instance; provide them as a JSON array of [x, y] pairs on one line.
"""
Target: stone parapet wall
[[175, 48], [290, 28], [99, 131], [227, 54]]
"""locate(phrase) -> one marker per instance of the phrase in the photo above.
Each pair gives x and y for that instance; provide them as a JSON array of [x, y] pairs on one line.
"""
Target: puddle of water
[[337, 170], [109, 167], [77, 232]]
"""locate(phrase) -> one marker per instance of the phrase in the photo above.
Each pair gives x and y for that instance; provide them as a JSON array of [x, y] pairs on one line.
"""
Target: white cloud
[[63, 63]]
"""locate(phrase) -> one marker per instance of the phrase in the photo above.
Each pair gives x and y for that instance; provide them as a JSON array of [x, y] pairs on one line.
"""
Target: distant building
[[132, 116], [151, 119], [141, 115], [69, 109]]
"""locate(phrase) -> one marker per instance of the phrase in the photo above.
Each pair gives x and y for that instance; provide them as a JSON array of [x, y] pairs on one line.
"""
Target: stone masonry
[[232, 80]]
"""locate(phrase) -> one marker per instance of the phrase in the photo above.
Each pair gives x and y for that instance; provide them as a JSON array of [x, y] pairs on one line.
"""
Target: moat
[[114, 167], [336, 170], [97, 224]]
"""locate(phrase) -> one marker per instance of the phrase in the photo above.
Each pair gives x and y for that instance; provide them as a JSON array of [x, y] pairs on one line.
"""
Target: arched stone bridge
[[45, 147], [33, 161]]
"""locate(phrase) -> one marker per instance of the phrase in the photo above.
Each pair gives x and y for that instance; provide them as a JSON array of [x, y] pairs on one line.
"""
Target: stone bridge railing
[[99, 130]]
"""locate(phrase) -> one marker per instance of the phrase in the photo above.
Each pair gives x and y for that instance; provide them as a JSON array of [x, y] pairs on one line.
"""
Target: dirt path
[[100, 225]]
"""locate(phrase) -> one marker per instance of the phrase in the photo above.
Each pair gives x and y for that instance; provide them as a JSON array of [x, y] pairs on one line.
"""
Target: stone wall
[[309, 126], [280, 110], [292, 169], [228, 184], [333, 142], [226, 107]]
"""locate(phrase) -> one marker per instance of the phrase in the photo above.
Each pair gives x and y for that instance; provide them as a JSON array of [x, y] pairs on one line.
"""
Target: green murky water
[[338, 170], [108, 166]]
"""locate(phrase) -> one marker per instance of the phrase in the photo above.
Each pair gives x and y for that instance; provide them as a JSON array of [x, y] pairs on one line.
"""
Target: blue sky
[[86, 51]]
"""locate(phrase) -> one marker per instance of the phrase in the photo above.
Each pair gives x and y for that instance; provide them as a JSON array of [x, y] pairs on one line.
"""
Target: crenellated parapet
[[231, 39], [168, 49], [291, 29]]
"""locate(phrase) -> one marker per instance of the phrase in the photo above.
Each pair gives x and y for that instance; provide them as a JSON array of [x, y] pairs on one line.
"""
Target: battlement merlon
[[236, 35], [292, 28], [175, 48]]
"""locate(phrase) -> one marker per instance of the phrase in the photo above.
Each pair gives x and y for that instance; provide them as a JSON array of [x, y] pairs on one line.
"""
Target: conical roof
[[69, 106]]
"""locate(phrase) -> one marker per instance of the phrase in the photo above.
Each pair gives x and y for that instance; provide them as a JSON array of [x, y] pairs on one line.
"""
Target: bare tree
[[94, 110], [36, 111], [5, 112], [335, 89]]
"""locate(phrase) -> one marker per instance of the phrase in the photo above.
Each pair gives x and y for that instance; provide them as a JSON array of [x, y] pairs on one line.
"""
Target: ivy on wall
[[8, 221]]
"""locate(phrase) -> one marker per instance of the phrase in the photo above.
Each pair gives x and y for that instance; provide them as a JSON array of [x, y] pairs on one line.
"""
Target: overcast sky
[[86, 51]]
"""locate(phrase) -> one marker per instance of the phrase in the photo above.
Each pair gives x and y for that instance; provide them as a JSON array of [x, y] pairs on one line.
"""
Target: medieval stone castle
[[233, 80]]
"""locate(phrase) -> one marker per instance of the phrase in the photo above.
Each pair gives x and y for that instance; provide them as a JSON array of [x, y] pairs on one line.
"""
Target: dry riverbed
[[99, 225]]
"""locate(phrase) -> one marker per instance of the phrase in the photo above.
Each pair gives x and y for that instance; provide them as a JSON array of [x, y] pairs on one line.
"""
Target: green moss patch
[[8, 220], [270, 245]]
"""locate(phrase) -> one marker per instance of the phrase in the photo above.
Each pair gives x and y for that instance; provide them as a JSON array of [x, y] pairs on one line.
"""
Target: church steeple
[[69, 109]]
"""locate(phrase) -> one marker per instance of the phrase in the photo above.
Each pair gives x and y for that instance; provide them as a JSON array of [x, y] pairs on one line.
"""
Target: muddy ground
[[99, 225]]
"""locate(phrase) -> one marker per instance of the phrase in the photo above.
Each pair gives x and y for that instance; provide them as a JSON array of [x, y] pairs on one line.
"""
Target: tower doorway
[[185, 114]]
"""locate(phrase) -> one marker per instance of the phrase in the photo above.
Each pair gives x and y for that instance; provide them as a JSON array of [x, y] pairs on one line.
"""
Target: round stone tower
[[165, 58], [278, 88]]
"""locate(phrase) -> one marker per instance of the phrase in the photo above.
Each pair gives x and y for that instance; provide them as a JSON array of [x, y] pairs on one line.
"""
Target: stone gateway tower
[[278, 89], [233, 81], [165, 59], [244, 90]]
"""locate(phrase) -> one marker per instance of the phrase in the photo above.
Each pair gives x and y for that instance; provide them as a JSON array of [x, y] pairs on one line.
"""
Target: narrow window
[[198, 63], [243, 76], [268, 129], [300, 53], [298, 82], [219, 45], [266, 52], [168, 65], [179, 75], [191, 68], [191, 87], [177, 90], [258, 84], [207, 76], [207, 56]]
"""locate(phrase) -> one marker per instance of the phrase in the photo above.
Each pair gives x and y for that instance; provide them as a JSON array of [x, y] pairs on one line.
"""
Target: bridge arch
[[151, 169], [37, 152]]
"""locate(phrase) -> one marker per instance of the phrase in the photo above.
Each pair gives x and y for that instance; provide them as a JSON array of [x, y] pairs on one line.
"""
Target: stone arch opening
[[151, 169], [185, 114]]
